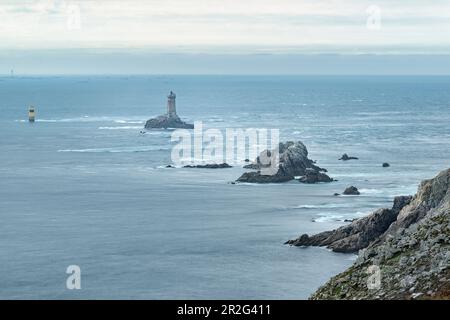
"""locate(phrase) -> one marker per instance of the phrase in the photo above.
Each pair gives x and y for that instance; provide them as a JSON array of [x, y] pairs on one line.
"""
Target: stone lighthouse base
[[165, 122]]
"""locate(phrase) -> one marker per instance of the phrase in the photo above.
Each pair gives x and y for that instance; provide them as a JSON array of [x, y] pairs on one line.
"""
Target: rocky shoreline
[[358, 234], [408, 245]]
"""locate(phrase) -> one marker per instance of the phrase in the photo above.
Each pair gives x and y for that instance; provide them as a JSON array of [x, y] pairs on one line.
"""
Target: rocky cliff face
[[293, 161], [411, 259]]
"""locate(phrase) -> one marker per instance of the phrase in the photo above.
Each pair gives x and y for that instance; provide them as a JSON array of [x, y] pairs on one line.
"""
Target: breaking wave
[[121, 128], [90, 119], [117, 150], [322, 206]]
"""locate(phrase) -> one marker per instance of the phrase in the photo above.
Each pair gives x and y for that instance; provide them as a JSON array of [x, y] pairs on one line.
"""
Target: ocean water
[[82, 186]]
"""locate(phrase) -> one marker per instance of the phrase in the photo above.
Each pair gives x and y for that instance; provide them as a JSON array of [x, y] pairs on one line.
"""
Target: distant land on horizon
[[129, 62]]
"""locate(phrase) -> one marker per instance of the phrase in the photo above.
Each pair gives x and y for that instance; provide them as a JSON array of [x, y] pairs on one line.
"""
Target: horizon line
[[30, 75]]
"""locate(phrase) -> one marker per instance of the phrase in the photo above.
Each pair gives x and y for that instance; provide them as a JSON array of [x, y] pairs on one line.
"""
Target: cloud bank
[[351, 26]]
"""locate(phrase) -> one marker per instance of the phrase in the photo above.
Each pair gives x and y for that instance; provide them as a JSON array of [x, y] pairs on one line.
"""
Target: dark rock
[[345, 157], [166, 121], [385, 165], [252, 166], [360, 233], [257, 177], [210, 166], [247, 160], [400, 202], [293, 161], [336, 194], [313, 176], [170, 166], [353, 237], [413, 253], [351, 191]]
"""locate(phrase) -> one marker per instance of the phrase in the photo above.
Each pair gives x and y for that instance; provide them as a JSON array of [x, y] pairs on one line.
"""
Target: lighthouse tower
[[171, 108]]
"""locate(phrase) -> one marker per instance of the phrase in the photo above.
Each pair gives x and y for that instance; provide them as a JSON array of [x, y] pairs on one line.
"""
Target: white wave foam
[[90, 119], [121, 128], [216, 120], [117, 150], [380, 113], [328, 218], [322, 206], [370, 191], [129, 121], [360, 214], [155, 133], [172, 167]]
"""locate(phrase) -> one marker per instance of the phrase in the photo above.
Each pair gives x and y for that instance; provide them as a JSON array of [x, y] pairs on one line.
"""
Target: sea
[[83, 186]]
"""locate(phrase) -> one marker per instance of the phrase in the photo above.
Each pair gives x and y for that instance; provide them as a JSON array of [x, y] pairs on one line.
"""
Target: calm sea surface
[[82, 186]]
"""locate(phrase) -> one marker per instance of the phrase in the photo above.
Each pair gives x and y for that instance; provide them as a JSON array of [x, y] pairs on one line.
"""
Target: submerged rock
[[293, 161], [351, 191], [385, 165], [210, 166], [413, 253], [345, 157]]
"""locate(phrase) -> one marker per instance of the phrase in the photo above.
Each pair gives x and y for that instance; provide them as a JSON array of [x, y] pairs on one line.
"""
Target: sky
[[198, 36]]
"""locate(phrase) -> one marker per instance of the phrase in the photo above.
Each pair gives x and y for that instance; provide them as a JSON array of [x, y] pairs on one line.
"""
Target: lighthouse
[[31, 114], [171, 107], [170, 119]]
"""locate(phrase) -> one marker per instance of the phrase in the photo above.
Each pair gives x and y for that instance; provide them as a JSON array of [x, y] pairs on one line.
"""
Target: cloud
[[262, 24]]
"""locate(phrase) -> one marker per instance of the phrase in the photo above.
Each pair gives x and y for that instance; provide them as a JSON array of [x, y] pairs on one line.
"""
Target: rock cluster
[[292, 161], [313, 176], [166, 122], [345, 157], [412, 255]]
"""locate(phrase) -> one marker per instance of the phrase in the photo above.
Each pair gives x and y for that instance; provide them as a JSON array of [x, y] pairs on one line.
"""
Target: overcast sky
[[77, 30]]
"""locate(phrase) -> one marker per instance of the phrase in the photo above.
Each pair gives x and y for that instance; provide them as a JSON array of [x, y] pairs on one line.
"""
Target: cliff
[[412, 255]]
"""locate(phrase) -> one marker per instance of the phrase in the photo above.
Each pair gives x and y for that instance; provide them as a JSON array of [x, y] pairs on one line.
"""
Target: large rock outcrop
[[292, 161], [411, 259], [167, 122]]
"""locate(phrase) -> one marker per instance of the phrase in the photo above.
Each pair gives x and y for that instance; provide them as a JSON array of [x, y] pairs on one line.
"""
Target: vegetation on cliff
[[410, 260]]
